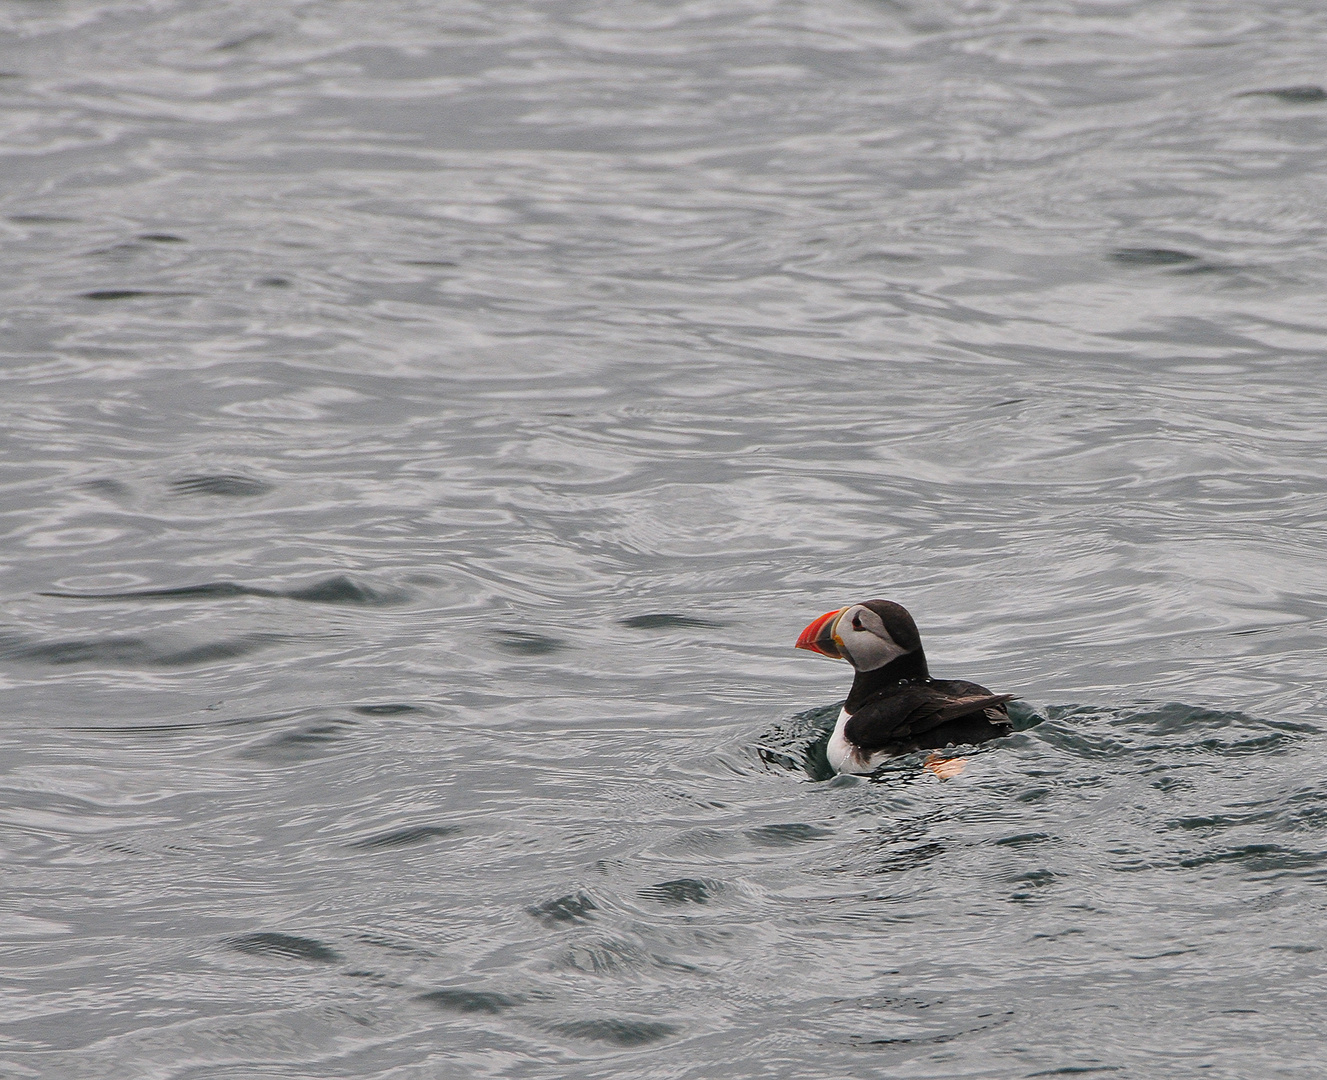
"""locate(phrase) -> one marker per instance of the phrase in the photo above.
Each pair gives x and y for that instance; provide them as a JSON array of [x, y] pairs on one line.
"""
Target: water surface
[[426, 428]]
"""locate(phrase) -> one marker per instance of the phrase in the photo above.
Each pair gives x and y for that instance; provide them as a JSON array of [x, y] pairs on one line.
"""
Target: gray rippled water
[[427, 427]]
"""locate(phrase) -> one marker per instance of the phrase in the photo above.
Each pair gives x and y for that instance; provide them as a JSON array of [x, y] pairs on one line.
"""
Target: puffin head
[[868, 635]]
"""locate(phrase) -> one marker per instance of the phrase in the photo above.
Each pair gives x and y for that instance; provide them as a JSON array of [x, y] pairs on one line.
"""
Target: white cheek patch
[[876, 652], [893, 650], [871, 647]]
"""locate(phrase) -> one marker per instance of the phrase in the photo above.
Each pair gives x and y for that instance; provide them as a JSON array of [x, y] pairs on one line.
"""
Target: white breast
[[843, 756]]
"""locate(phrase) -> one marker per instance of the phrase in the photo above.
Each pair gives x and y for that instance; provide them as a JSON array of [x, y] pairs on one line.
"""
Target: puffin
[[894, 705]]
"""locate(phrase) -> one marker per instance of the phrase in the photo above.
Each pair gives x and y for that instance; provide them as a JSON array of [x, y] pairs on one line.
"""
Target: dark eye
[[856, 622]]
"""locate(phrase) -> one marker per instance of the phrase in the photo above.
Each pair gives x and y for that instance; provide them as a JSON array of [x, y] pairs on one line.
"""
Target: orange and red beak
[[819, 636]]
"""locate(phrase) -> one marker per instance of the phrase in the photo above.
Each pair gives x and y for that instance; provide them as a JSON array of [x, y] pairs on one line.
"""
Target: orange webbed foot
[[943, 767]]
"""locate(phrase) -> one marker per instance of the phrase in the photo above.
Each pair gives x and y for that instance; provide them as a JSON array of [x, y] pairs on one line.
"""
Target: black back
[[929, 713]]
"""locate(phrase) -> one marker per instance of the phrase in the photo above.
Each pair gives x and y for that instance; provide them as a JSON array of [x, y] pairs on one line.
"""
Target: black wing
[[906, 713]]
